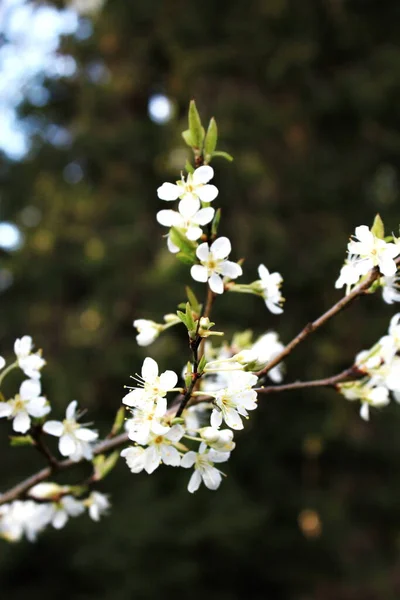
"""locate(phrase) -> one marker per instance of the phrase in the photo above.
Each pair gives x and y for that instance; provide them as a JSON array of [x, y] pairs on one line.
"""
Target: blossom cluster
[[379, 369], [28, 409], [366, 251], [54, 505]]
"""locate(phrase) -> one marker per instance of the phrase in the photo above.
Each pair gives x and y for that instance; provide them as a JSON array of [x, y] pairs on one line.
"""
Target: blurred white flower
[[75, 441]]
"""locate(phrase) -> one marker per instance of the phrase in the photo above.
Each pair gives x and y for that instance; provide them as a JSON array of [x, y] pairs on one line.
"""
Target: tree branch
[[348, 374], [344, 302]]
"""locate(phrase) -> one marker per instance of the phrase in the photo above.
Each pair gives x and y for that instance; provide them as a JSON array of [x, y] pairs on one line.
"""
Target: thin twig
[[359, 290], [348, 374]]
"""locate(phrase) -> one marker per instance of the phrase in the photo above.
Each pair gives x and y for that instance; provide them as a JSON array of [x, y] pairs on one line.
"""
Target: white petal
[[38, 407], [274, 308], [364, 234], [203, 251], [53, 428], [232, 418], [29, 389], [204, 216], [203, 174], [2, 362], [387, 266], [231, 269], [67, 445], [219, 457], [5, 409], [170, 455], [168, 380], [199, 273], [194, 482], [207, 193], [161, 407], [169, 191], [152, 459], [188, 459], [193, 233], [364, 411], [21, 422], [212, 478], [216, 418], [221, 247], [86, 435], [263, 272], [189, 206], [60, 519], [216, 284], [71, 409], [171, 246], [149, 369], [135, 398], [170, 218]]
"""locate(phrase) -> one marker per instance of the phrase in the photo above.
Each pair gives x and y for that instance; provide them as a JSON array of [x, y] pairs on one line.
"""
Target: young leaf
[[186, 246], [189, 168], [223, 155], [215, 222], [210, 143], [189, 317], [21, 440], [378, 228], [192, 299], [195, 127], [188, 138], [182, 317]]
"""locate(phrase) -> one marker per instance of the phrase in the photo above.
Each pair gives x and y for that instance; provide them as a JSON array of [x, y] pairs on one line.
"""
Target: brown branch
[[348, 374], [21, 488], [359, 290]]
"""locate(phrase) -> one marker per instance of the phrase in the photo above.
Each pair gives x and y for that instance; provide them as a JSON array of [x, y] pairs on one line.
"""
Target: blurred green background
[[306, 97]]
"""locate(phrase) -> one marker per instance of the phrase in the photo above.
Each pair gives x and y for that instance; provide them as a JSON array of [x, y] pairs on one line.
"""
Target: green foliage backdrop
[[306, 99]]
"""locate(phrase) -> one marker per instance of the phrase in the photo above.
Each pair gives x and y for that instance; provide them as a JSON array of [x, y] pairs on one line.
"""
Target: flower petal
[[211, 477], [149, 369], [188, 459], [231, 269], [203, 174], [30, 388], [207, 193], [168, 380], [221, 247], [169, 218], [71, 410], [169, 191], [203, 251], [189, 206], [216, 284], [194, 482], [21, 422], [67, 445], [199, 273], [170, 455], [204, 216], [86, 435], [53, 428]]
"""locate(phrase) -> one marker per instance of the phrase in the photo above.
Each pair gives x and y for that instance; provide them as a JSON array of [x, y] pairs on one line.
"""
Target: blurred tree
[[306, 98]]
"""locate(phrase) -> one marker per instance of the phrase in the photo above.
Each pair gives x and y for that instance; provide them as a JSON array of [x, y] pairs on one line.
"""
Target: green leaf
[[186, 259], [188, 138], [118, 421], [186, 246], [223, 155], [202, 364], [195, 126], [189, 317], [102, 465], [194, 303], [21, 440], [182, 317], [210, 143], [189, 168], [215, 222], [378, 228]]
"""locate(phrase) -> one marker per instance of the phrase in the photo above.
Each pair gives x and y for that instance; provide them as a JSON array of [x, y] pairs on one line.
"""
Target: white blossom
[[29, 362], [188, 219], [373, 252], [148, 331], [270, 284], [349, 274], [234, 400], [153, 387], [2, 363], [75, 441], [147, 421], [267, 347], [59, 512], [195, 188], [160, 449], [22, 517], [220, 440], [391, 289], [97, 505], [214, 263], [28, 403], [367, 394], [203, 462]]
